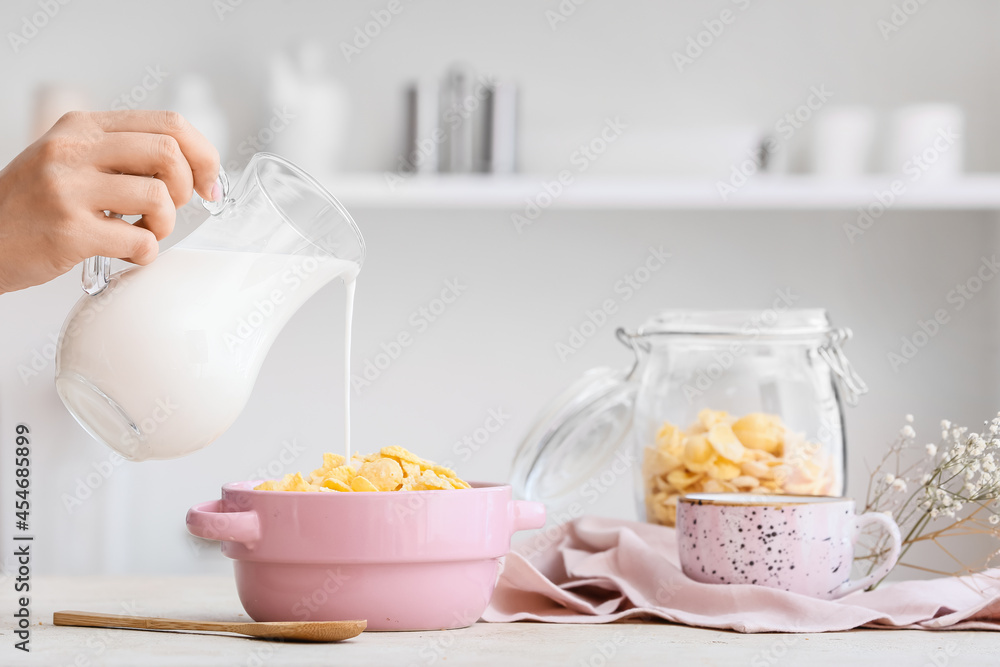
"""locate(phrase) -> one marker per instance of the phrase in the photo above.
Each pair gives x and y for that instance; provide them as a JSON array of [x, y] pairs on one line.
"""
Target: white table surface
[[518, 644]]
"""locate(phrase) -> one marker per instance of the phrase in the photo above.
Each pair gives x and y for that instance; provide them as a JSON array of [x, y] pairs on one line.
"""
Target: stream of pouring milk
[[349, 284]]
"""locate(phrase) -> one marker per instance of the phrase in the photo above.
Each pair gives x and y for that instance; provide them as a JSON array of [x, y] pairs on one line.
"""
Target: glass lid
[[575, 438]]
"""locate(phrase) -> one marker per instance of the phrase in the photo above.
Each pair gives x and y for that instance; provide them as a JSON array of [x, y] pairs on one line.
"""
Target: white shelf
[[974, 192]]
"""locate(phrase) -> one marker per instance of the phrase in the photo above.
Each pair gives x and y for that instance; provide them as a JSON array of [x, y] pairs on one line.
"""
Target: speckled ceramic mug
[[803, 544]]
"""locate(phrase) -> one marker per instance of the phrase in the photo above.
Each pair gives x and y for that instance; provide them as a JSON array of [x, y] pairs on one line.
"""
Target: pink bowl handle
[[208, 521], [526, 515]]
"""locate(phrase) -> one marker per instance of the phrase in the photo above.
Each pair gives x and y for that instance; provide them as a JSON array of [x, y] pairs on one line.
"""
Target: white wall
[[495, 347]]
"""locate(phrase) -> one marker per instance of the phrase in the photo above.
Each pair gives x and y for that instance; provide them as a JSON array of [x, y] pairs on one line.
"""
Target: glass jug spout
[[276, 208]]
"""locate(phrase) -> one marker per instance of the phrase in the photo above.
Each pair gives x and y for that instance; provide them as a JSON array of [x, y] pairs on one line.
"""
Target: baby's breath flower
[[960, 472]]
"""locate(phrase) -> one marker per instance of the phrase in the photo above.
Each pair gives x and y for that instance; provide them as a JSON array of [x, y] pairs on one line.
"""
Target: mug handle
[[887, 524], [526, 515], [208, 521]]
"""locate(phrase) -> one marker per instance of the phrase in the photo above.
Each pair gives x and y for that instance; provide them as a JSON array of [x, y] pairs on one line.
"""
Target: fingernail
[[216, 192]]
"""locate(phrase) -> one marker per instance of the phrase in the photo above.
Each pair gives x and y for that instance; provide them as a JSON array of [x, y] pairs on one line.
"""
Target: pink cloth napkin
[[596, 570]]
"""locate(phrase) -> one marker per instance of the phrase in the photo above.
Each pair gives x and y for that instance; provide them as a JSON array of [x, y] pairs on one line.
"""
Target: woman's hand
[[54, 194]]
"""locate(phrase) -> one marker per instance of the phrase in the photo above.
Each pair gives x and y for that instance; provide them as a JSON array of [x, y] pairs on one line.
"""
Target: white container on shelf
[[842, 141], [926, 142], [309, 111]]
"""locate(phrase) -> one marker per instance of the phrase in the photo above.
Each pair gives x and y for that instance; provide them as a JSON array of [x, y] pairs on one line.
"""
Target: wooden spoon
[[314, 631]]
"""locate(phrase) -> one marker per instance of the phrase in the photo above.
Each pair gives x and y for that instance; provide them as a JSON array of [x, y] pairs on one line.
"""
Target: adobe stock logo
[[165, 408], [364, 34], [31, 25], [562, 12], [87, 485], [133, 99], [957, 298], [40, 359], [419, 321], [900, 16], [472, 442], [582, 158], [914, 169], [703, 40], [624, 289]]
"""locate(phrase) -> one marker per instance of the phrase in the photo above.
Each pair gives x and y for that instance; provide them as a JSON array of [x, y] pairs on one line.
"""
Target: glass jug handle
[[97, 270], [215, 207]]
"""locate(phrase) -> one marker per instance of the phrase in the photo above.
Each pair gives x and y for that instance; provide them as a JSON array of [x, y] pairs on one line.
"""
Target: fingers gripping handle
[[215, 207], [97, 270]]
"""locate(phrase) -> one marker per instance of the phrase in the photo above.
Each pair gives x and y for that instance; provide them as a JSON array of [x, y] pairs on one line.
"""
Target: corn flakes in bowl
[[391, 469]]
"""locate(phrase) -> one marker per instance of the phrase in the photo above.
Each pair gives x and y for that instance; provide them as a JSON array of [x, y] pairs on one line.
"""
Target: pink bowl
[[406, 560]]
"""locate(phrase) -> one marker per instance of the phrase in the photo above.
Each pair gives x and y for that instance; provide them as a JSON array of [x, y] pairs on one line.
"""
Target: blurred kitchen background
[[757, 143]]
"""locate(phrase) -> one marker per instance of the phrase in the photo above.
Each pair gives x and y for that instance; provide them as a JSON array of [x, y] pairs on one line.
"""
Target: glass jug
[[158, 361], [717, 401]]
